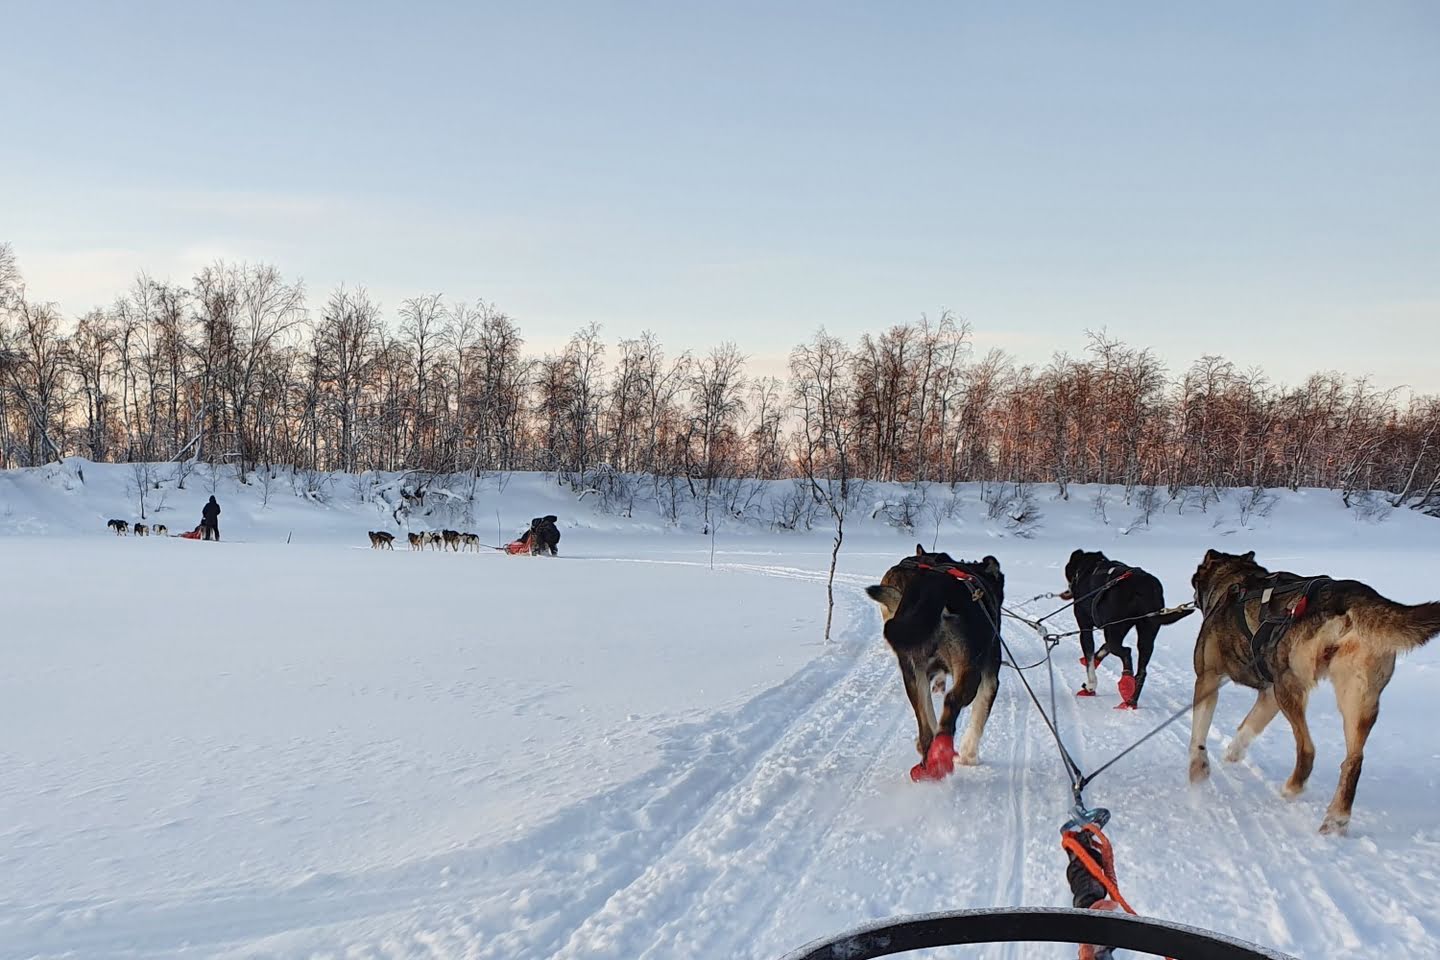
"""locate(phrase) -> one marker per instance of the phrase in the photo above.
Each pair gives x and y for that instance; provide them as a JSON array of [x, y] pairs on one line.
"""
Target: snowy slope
[[261, 749]]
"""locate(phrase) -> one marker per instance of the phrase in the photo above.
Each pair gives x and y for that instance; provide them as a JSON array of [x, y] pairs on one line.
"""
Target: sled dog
[[1281, 634], [942, 618], [1114, 597]]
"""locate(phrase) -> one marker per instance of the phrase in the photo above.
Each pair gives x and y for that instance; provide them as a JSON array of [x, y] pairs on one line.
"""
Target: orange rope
[[1106, 873]]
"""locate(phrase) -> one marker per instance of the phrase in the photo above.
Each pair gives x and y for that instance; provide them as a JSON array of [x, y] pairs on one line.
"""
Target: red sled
[[192, 535], [516, 547]]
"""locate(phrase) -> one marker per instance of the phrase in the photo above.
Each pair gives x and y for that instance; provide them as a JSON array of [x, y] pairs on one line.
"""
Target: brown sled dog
[[940, 619], [381, 540], [417, 540], [1281, 634]]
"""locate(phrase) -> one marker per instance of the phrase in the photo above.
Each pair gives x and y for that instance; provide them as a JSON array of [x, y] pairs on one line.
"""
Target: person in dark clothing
[[210, 520], [544, 536]]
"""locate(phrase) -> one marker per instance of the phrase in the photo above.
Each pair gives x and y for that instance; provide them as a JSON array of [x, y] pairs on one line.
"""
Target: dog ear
[[1248, 555], [1211, 554], [919, 549], [990, 564], [887, 597], [1077, 556]]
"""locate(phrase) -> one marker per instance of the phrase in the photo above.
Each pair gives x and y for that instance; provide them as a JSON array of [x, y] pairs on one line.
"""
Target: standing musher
[[210, 520]]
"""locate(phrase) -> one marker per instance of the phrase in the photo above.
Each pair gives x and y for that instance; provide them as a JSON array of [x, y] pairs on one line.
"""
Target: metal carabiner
[[1084, 816]]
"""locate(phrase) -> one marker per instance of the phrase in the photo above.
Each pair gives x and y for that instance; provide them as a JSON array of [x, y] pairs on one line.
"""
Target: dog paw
[[1291, 790], [1199, 769], [1235, 752], [939, 760], [1084, 692], [1335, 825]]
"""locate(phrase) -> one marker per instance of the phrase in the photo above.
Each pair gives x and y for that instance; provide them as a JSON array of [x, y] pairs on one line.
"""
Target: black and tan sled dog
[[1281, 633], [1113, 597], [942, 617]]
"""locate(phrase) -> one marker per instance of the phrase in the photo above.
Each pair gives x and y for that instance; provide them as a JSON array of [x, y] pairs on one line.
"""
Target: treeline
[[241, 367]]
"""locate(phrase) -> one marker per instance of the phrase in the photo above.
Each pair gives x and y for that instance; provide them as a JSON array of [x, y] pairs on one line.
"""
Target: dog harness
[[1113, 576], [980, 587], [1284, 598]]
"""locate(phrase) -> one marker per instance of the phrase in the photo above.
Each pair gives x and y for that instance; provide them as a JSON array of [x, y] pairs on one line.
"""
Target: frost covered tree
[[822, 379]]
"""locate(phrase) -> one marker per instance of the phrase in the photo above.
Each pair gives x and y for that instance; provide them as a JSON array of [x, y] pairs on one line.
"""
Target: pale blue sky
[[1255, 179]]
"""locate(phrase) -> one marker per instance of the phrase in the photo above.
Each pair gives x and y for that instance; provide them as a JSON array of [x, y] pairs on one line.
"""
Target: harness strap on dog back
[[979, 585], [1275, 614], [1117, 574]]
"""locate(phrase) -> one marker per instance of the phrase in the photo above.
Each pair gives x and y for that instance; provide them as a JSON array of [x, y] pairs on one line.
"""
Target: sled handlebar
[[884, 938]]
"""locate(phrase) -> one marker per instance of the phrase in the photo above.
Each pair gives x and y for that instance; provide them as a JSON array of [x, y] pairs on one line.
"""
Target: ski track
[[715, 850]]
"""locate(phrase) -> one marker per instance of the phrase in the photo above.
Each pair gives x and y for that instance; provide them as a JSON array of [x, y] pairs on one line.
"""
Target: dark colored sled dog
[[941, 618], [1281, 634], [1130, 595]]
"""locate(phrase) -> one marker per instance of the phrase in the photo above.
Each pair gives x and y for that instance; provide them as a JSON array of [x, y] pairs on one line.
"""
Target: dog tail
[[1398, 626], [1173, 615]]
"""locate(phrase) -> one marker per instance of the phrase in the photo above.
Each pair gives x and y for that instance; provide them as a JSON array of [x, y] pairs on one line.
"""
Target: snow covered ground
[[309, 749]]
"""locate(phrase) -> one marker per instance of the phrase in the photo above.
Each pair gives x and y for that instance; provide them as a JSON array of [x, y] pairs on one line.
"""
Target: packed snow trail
[[809, 825]]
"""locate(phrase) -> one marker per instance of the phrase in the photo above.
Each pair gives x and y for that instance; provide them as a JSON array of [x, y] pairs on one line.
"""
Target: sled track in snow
[[714, 824]]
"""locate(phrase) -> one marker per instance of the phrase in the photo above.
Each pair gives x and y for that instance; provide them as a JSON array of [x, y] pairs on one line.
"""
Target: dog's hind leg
[[969, 753], [1115, 643], [917, 688], [1292, 701], [966, 687], [1145, 633], [1087, 653], [1357, 692], [1253, 725]]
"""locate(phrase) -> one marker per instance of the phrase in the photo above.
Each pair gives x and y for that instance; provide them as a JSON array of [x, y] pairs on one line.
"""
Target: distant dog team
[[122, 528], [542, 537]]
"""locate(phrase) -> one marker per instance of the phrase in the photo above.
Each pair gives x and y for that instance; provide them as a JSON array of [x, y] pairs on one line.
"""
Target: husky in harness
[[1281, 634], [941, 618], [1113, 597]]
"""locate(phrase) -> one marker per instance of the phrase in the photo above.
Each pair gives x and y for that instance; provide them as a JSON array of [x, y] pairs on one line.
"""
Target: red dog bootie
[[1127, 687], [939, 760], [1084, 692]]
